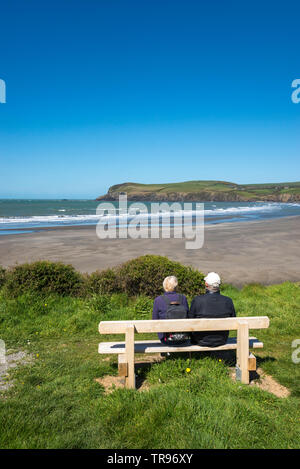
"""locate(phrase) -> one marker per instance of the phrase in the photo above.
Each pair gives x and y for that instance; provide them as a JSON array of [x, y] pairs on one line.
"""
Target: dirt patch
[[268, 383], [12, 360], [261, 380], [111, 383]]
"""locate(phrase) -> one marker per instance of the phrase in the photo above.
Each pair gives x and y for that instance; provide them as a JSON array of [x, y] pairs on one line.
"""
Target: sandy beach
[[260, 251]]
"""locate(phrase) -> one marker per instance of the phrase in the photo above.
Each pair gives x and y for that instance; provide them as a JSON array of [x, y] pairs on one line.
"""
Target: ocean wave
[[48, 218], [115, 215]]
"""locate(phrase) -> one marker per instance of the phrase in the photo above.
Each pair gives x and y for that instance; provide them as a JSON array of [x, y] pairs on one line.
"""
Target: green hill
[[206, 191]]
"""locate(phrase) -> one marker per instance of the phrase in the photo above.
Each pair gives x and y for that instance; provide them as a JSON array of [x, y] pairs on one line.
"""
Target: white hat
[[213, 279]]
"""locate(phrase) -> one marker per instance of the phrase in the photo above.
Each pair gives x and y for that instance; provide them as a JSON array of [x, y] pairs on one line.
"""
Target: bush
[[103, 282], [144, 276], [43, 277], [2, 276]]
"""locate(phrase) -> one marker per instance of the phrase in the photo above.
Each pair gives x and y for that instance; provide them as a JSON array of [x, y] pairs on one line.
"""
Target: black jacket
[[211, 305]]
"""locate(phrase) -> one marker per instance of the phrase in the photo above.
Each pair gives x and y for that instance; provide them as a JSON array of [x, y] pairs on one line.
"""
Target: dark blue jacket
[[211, 305], [160, 307]]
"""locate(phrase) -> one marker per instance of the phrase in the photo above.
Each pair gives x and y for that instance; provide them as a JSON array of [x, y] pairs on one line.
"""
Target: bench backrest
[[183, 325]]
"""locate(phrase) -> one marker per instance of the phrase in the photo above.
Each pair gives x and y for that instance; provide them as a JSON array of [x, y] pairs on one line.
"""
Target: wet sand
[[261, 251]]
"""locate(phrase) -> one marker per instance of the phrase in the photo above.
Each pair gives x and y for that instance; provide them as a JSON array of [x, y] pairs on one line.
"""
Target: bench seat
[[155, 346]]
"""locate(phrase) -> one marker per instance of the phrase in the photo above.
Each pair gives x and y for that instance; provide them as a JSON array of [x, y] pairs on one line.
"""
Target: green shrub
[[102, 282], [144, 276], [43, 277], [2, 276]]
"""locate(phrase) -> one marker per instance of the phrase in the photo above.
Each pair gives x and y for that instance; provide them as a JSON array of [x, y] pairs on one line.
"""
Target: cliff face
[[203, 196]]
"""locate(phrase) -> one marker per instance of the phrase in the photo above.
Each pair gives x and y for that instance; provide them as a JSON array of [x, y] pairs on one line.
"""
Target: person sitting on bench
[[211, 305], [171, 305]]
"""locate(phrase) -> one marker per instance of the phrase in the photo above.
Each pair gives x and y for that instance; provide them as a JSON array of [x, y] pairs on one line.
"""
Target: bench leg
[[129, 337], [252, 362], [122, 365], [243, 351]]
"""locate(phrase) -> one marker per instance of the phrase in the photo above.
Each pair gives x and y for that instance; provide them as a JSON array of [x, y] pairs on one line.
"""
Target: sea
[[22, 215]]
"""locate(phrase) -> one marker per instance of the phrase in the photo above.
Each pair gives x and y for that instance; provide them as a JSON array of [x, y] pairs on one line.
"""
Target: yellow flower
[[45, 304], [188, 370], [37, 355]]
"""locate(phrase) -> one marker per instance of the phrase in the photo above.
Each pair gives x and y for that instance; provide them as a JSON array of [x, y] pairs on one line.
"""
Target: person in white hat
[[211, 305], [212, 281]]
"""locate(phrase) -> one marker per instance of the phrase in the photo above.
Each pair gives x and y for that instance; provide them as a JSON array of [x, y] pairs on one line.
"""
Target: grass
[[56, 403], [245, 191]]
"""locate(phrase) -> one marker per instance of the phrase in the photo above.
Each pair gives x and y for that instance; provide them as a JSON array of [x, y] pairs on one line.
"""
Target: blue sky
[[102, 92]]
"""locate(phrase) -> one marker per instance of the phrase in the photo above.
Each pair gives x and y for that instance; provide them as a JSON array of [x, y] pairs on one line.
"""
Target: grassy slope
[[56, 403], [249, 190]]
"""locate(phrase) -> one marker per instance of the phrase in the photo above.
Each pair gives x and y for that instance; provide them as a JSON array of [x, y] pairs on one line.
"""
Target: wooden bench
[[127, 349]]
